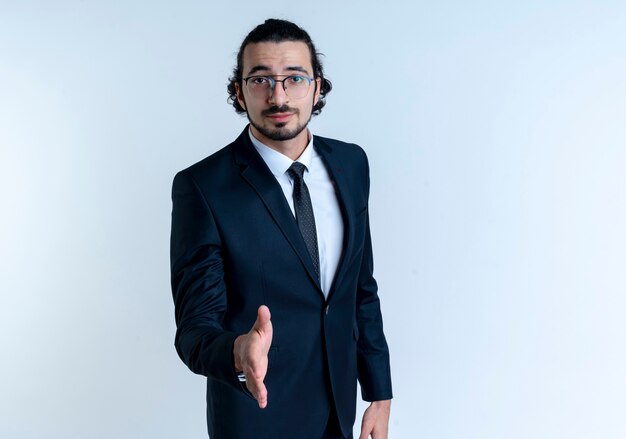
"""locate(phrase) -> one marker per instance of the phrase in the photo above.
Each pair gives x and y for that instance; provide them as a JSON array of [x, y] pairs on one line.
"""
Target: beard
[[279, 132]]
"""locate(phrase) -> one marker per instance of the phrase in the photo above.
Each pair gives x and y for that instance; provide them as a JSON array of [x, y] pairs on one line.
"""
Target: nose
[[278, 96]]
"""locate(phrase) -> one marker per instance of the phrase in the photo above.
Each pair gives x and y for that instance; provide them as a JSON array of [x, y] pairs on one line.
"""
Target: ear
[[318, 87], [240, 97]]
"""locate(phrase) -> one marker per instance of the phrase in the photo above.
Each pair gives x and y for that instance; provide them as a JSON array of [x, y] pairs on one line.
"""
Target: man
[[272, 263]]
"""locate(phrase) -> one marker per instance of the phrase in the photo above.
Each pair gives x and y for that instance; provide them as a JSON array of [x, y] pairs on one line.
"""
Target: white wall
[[497, 141]]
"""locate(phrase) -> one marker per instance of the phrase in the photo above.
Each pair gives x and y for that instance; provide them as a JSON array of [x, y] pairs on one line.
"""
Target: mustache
[[282, 109]]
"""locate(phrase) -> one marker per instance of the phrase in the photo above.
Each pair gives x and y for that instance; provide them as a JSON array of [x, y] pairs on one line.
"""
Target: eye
[[296, 80], [260, 80]]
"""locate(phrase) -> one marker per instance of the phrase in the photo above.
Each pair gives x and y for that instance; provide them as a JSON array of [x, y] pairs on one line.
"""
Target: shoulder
[[216, 160], [218, 166], [345, 151], [340, 146], [202, 175]]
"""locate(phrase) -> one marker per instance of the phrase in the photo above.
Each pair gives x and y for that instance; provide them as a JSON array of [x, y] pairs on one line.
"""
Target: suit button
[[326, 309]]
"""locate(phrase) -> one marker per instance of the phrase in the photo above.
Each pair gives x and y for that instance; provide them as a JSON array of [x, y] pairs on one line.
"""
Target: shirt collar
[[278, 162]]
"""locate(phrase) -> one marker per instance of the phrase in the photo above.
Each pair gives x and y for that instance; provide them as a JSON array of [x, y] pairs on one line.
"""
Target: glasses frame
[[273, 82]]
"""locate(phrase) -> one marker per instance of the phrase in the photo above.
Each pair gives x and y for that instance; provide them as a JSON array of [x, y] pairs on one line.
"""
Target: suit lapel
[[336, 169], [256, 173]]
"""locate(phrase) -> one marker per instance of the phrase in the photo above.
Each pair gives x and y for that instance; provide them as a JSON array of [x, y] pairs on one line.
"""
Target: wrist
[[237, 346], [385, 403]]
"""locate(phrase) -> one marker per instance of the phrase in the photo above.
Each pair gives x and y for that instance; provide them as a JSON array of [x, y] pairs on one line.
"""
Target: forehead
[[277, 57]]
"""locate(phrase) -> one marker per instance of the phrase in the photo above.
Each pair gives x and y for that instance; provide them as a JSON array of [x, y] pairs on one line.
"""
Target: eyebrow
[[261, 68]]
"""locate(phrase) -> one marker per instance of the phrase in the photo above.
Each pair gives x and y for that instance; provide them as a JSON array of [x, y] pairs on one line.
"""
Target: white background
[[497, 138]]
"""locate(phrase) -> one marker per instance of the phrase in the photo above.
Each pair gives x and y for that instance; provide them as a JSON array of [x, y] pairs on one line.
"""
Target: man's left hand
[[376, 420]]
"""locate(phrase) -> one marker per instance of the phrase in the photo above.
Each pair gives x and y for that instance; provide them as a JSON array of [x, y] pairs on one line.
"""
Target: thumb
[[262, 319]]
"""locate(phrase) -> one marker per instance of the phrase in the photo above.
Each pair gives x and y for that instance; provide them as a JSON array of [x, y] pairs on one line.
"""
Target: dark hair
[[277, 31]]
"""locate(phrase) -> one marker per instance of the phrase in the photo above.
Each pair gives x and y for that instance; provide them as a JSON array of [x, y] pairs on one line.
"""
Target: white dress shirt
[[328, 220]]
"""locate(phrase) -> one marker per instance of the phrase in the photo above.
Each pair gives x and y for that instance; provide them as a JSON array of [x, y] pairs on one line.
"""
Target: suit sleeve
[[197, 276], [373, 365]]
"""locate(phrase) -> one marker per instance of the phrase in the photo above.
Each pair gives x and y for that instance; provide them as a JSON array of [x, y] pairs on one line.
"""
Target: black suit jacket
[[235, 245]]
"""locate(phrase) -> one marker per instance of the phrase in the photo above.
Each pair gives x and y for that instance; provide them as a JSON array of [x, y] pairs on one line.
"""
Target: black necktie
[[304, 213]]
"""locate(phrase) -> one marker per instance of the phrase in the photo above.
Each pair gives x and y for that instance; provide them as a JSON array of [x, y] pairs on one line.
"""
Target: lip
[[280, 117]]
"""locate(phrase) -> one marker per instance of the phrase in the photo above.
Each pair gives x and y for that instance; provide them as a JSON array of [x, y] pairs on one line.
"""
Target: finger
[[263, 317], [366, 426], [257, 388], [261, 396], [379, 433], [365, 431], [251, 387]]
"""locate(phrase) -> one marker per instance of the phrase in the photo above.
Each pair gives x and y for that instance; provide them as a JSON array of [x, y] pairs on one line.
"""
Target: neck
[[292, 148]]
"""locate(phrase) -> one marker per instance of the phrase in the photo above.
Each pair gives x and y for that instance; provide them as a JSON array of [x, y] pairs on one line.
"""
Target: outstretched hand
[[250, 352]]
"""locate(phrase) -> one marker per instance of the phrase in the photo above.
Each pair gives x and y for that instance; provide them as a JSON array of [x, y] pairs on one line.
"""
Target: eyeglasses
[[295, 86]]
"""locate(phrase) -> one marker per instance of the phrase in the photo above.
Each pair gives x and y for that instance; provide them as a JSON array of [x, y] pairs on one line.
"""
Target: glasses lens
[[296, 87], [259, 86]]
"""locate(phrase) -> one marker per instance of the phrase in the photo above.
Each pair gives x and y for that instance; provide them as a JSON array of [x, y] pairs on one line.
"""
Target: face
[[277, 117]]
